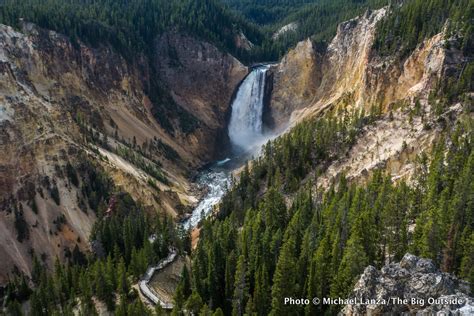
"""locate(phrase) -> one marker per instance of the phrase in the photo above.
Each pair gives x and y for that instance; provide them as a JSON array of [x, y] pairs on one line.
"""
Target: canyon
[[58, 99], [174, 129]]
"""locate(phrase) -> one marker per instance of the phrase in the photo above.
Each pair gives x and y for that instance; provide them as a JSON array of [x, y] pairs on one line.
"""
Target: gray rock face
[[412, 287]]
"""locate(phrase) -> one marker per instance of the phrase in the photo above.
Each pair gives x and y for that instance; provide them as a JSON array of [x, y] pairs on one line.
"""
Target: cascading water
[[245, 133], [245, 126]]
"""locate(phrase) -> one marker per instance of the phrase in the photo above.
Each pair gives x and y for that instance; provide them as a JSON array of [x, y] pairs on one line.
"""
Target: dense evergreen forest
[[263, 247], [320, 20], [317, 19], [417, 20], [275, 234], [409, 23], [267, 12], [131, 26]]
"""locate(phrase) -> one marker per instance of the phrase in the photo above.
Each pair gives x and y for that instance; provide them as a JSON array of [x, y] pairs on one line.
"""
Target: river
[[246, 135]]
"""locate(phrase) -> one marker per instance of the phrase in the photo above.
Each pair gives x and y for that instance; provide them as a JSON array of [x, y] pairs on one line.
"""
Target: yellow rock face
[[307, 82], [350, 74]]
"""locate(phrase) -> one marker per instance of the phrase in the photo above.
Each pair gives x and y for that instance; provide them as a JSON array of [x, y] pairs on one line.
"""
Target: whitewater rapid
[[215, 182], [246, 134]]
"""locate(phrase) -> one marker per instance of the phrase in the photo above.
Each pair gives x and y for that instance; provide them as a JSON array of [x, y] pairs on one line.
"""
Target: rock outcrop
[[202, 80], [64, 102], [295, 82], [349, 74], [285, 29], [324, 76], [414, 286]]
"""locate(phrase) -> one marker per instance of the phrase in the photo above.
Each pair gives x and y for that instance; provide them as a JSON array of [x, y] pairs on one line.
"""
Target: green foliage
[[320, 244], [194, 303], [317, 19], [96, 186], [266, 11], [290, 158], [130, 26], [409, 24], [136, 157], [106, 278], [457, 87], [141, 156], [167, 112], [467, 263], [16, 291], [14, 309], [320, 19], [167, 150]]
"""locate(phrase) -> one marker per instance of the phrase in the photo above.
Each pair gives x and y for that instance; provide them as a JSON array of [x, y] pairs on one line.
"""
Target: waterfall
[[245, 127], [245, 133]]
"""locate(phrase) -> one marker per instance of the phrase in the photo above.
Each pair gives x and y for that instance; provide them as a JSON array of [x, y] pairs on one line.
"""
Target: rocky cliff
[[350, 71], [349, 74], [64, 104], [202, 80], [295, 81], [414, 286], [339, 70]]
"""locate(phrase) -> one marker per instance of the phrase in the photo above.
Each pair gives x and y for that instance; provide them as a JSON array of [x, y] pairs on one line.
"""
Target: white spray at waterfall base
[[246, 135], [246, 126]]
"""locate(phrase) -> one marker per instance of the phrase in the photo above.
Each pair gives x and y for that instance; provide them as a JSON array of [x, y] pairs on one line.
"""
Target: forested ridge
[[317, 19], [131, 26], [259, 249], [409, 24], [266, 12]]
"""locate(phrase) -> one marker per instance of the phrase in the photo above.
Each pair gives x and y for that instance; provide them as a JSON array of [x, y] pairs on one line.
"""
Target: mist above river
[[246, 136]]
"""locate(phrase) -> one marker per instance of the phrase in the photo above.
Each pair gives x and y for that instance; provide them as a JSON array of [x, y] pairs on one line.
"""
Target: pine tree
[[240, 287], [250, 308], [218, 312], [262, 292], [230, 267], [205, 311], [352, 265], [159, 311], [284, 280], [122, 281], [179, 297], [186, 281], [319, 275], [194, 303], [36, 271]]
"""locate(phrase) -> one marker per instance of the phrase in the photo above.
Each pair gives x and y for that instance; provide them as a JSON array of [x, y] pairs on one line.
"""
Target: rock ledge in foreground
[[410, 283]]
